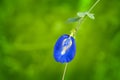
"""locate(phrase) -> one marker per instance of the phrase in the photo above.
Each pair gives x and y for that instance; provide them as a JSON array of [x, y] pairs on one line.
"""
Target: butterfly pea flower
[[65, 49]]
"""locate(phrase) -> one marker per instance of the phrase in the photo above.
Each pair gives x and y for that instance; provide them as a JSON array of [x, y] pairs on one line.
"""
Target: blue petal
[[65, 49]]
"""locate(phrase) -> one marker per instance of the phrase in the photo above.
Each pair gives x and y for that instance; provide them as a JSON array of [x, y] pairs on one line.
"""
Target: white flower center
[[66, 45]]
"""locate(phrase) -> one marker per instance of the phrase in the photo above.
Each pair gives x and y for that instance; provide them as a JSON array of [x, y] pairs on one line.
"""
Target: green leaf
[[91, 16], [81, 14], [73, 19]]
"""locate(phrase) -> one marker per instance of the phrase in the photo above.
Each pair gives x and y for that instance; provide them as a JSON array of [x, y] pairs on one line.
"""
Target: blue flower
[[65, 49]]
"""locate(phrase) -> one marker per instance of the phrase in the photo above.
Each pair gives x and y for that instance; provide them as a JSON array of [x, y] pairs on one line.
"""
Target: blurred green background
[[30, 28]]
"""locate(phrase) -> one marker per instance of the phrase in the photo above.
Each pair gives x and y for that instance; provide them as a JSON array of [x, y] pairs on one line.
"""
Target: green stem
[[73, 33], [64, 71]]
